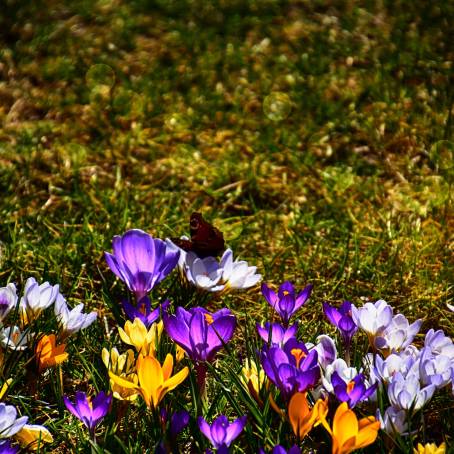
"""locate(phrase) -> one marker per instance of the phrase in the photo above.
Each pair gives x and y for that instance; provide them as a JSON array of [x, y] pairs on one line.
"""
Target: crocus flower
[[144, 340], [342, 319], [178, 421], [394, 421], [346, 373], [143, 310], [237, 274], [10, 424], [36, 298], [140, 260], [48, 353], [435, 369], [439, 344], [221, 433], [301, 417], [292, 369], [154, 380], [124, 366], [286, 302], [385, 369], [276, 334], [32, 436], [199, 332], [8, 300], [349, 433], [204, 273], [326, 349], [430, 448], [72, 321], [13, 338], [90, 411], [252, 378], [373, 318], [398, 335], [353, 391], [406, 392]]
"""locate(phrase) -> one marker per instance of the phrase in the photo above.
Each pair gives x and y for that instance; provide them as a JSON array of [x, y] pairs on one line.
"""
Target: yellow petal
[[170, 384], [122, 381], [33, 436], [345, 424], [5, 387], [298, 414], [150, 376], [123, 336], [367, 434], [167, 366]]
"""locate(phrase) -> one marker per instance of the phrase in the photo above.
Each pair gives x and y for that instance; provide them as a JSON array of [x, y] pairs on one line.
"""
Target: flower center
[[286, 292], [350, 386], [209, 318], [298, 354]]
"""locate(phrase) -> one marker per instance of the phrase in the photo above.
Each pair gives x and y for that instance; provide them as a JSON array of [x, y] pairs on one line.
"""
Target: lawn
[[317, 136]]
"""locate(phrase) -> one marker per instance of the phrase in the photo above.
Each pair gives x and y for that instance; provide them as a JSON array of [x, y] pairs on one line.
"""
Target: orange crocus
[[302, 418], [348, 433], [48, 353]]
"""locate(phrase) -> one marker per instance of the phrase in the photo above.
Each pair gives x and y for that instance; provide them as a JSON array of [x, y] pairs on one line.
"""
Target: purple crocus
[[352, 392], [276, 334], [140, 260], [286, 302], [278, 449], [221, 433], [6, 448], [199, 332], [89, 411], [342, 319], [292, 368], [143, 310]]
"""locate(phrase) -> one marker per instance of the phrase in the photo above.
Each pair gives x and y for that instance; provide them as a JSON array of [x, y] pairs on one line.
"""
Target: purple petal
[[303, 296], [269, 295], [198, 333], [235, 429], [178, 422], [205, 428], [177, 328], [219, 431]]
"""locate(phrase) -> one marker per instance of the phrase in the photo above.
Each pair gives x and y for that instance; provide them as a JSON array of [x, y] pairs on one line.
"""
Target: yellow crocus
[[33, 436], [252, 379], [124, 366], [136, 334], [349, 434], [154, 380], [302, 418], [48, 353], [430, 448]]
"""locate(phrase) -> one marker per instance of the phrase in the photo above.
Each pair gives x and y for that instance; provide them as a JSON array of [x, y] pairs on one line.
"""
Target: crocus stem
[[347, 354], [201, 373]]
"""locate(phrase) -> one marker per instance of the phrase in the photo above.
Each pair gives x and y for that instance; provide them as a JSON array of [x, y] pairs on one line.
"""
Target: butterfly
[[206, 240]]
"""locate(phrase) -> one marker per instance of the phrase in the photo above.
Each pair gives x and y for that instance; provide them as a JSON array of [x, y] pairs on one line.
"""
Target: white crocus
[[37, 298], [398, 335], [73, 320], [10, 424], [12, 337], [204, 273], [238, 274], [8, 300]]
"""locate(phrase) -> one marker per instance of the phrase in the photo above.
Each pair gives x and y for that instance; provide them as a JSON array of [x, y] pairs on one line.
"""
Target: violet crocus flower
[[276, 334], [291, 368], [435, 369], [278, 449], [221, 433], [143, 310], [140, 260], [406, 392], [353, 391], [439, 344], [89, 411], [199, 332], [342, 319], [398, 335], [8, 300], [286, 302]]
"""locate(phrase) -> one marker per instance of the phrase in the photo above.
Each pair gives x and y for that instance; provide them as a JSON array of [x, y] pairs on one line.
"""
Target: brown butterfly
[[206, 240]]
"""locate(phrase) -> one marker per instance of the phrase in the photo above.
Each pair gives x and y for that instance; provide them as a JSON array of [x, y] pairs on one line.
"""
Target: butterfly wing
[[207, 240]]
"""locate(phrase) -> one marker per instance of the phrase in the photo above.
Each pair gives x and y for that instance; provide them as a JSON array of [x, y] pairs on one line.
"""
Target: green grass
[[351, 191]]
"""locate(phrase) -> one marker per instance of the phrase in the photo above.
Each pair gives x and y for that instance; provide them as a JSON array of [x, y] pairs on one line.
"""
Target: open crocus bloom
[[140, 260], [353, 391], [237, 274], [373, 318], [302, 418], [349, 433], [275, 334], [430, 448], [13, 338], [89, 411], [286, 302], [221, 433], [48, 353], [155, 381], [199, 332]]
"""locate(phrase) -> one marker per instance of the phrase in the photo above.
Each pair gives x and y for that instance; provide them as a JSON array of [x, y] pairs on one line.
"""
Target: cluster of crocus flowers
[[154, 380]]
